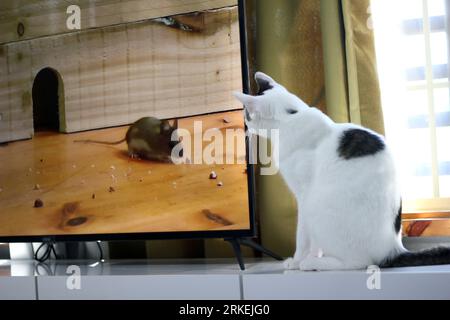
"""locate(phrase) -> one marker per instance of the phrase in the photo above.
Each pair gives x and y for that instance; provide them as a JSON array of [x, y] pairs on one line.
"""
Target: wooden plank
[[426, 228], [20, 85], [92, 94], [43, 18], [5, 117], [167, 82], [141, 71], [148, 196], [426, 215], [219, 74], [68, 66], [115, 77]]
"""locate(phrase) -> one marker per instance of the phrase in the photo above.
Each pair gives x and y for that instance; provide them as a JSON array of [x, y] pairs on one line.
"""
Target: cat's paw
[[312, 263], [291, 264], [308, 264]]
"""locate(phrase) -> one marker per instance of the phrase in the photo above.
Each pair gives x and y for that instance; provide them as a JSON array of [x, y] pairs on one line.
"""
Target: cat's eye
[[291, 111]]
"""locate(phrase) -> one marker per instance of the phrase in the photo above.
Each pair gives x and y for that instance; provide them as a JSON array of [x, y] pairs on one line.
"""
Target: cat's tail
[[427, 257]]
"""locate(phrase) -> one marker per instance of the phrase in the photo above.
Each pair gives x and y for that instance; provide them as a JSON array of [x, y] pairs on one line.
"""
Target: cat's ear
[[247, 100], [264, 82], [261, 76]]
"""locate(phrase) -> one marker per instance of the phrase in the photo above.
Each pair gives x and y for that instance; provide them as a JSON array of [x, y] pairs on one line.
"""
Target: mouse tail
[[101, 142]]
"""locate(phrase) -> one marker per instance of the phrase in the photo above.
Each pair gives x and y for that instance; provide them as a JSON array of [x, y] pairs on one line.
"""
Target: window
[[412, 49]]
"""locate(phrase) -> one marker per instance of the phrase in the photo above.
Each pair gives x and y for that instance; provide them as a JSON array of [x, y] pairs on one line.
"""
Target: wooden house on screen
[[131, 58]]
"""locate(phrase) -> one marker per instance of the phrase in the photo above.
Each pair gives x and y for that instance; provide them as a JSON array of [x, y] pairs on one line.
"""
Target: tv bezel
[[172, 235]]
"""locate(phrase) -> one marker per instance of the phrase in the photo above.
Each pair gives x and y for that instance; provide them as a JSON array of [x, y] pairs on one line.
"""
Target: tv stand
[[236, 244]]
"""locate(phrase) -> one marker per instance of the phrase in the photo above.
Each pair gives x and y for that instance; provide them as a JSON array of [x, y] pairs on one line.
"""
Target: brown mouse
[[148, 138]]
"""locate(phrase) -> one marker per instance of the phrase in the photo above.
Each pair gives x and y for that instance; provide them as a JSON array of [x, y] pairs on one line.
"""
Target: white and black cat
[[343, 177]]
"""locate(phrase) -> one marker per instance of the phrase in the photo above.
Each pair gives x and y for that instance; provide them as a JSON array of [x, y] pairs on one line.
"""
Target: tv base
[[236, 244]]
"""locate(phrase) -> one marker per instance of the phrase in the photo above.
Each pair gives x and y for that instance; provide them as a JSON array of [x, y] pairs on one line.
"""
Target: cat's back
[[356, 142], [355, 153]]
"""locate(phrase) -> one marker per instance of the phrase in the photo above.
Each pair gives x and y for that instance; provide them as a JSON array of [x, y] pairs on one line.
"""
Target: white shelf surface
[[18, 282], [269, 280], [213, 279]]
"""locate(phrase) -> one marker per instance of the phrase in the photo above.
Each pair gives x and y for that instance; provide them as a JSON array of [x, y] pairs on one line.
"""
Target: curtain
[[352, 87], [323, 51]]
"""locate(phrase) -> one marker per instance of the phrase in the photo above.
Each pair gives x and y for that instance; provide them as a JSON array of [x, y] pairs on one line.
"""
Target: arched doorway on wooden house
[[48, 101]]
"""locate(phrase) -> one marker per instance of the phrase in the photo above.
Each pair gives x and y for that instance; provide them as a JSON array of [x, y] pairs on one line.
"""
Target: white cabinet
[[270, 281], [17, 288], [211, 280], [136, 280], [17, 281], [127, 287]]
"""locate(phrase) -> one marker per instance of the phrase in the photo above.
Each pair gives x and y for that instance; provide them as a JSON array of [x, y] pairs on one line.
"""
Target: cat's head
[[272, 107]]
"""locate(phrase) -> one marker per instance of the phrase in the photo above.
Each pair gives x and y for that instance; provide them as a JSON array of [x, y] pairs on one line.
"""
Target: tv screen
[[125, 130]]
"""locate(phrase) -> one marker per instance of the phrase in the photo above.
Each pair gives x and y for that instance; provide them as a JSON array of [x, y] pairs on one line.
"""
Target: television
[[68, 85]]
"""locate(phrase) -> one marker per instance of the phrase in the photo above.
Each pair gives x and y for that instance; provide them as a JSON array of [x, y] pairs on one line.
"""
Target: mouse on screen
[[148, 138]]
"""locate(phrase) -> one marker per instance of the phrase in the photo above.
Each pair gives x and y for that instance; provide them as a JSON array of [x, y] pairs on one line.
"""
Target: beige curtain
[[352, 88], [322, 50]]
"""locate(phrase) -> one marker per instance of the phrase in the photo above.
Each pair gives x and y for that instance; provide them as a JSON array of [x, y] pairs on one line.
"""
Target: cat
[[344, 180]]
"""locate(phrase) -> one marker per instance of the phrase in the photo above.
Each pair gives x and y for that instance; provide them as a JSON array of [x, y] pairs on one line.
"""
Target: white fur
[[346, 208]]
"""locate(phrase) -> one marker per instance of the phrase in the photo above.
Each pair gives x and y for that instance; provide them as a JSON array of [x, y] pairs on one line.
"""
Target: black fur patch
[[427, 257], [263, 86], [356, 143], [398, 219]]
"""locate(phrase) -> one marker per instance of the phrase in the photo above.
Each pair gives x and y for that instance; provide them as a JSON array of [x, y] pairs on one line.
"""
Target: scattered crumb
[[37, 187], [38, 203], [149, 171], [42, 160], [93, 196], [220, 184], [213, 175], [112, 168], [141, 180], [111, 189], [92, 165], [113, 177], [226, 120], [74, 166]]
